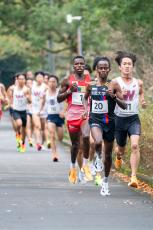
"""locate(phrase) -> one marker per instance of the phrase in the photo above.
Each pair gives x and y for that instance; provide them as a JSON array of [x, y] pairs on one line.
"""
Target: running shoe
[[92, 169], [43, 148], [18, 140], [118, 163], [81, 177], [30, 142], [99, 165], [22, 148], [133, 182], [39, 147], [86, 170], [55, 159], [104, 189], [73, 175], [98, 180], [48, 145]]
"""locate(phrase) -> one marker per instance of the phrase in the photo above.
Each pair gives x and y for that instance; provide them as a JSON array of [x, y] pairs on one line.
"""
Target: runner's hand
[[143, 104], [84, 115], [124, 92], [62, 115], [73, 87], [111, 93]]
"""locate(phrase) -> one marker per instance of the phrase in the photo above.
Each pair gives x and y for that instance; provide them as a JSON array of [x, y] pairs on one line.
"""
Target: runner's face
[[39, 78], [79, 65], [52, 83], [30, 74], [103, 69], [29, 83], [126, 66], [21, 80]]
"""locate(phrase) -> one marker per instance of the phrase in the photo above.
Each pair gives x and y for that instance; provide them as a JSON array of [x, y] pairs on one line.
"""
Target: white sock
[[72, 166], [97, 155], [105, 179]]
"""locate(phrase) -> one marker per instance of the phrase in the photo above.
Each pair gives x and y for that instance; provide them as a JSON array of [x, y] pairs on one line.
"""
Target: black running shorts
[[108, 130], [126, 126], [22, 115]]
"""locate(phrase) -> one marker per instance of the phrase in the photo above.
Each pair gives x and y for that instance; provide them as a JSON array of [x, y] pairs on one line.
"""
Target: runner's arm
[[141, 93], [117, 95], [42, 101], [1, 94], [86, 96], [63, 91], [28, 95], [10, 95]]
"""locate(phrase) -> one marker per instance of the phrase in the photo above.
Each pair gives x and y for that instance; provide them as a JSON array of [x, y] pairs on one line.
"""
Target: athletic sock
[[73, 165], [105, 179]]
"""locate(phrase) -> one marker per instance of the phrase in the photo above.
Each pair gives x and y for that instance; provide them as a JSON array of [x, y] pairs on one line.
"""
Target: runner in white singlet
[[38, 102], [55, 117], [127, 122], [20, 95]]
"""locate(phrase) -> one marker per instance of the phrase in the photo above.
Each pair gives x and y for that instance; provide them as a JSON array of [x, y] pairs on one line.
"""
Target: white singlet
[[37, 93], [19, 99], [131, 98], [53, 107]]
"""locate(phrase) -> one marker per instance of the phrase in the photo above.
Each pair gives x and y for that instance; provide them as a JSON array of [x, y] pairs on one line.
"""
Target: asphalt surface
[[35, 194]]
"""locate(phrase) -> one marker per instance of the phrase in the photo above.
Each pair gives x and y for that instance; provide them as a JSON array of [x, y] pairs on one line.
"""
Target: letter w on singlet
[[129, 96]]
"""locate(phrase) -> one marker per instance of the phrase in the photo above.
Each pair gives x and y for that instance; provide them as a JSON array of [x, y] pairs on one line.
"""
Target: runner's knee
[[134, 147]]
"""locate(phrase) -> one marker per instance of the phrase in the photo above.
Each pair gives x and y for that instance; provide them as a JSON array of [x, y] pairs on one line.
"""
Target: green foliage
[[107, 25], [146, 144]]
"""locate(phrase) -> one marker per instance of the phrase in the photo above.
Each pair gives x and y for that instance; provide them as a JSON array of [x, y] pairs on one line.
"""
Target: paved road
[[35, 194]]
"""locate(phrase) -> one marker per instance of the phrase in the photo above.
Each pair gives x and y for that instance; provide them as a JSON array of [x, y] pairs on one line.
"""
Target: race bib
[[77, 98], [21, 103], [99, 107], [130, 109]]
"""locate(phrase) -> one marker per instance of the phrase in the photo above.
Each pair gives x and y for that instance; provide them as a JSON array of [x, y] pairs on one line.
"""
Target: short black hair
[[29, 78], [124, 54], [55, 77], [46, 74], [78, 56], [19, 74], [39, 72], [98, 59], [88, 67]]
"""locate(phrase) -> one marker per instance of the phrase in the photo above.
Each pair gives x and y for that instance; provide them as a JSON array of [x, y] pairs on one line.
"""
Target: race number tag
[[130, 108], [99, 107], [77, 98]]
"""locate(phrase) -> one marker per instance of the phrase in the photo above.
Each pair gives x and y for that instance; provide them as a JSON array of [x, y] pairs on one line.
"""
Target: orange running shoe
[[22, 148], [87, 172], [18, 140], [73, 175], [133, 182], [118, 163]]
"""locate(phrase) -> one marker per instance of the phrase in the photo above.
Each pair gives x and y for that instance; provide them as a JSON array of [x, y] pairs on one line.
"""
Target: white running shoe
[[104, 189], [43, 148], [81, 177], [99, 165], [92, 169]]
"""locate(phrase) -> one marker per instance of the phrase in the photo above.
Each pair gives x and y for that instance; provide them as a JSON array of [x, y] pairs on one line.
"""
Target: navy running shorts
[[126, 126], [56, 119]]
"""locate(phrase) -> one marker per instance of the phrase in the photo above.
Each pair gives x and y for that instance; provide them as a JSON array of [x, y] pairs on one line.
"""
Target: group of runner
[[98, 111], [34, 111]]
